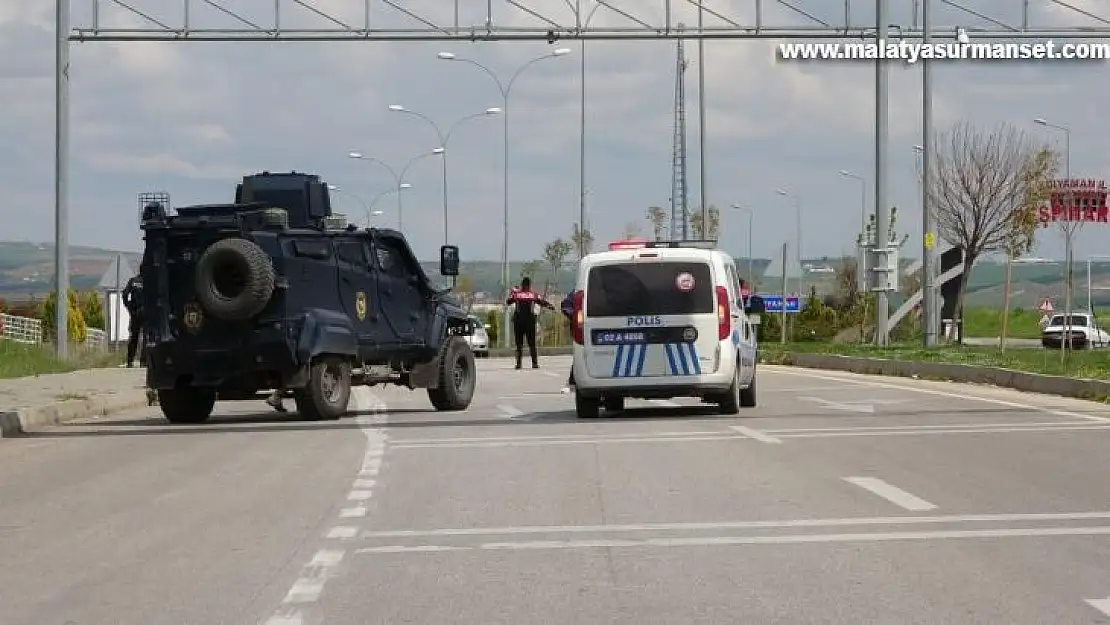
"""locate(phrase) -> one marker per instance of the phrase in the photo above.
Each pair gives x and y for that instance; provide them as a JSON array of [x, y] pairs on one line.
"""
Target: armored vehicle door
[[358, 289], [401, 296]]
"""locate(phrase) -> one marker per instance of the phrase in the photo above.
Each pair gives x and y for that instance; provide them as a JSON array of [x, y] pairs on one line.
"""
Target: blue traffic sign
[[773, 303]]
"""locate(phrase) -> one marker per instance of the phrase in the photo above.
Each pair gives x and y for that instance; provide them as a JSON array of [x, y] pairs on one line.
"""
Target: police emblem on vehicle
[[192, 316], [684, 281], [690, 334], [360, 305]]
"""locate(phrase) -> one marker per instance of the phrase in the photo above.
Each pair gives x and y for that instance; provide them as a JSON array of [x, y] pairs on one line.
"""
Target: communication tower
[[679, 208]]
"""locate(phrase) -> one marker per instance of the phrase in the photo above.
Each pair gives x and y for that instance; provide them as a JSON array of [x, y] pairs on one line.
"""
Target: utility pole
[[928, 223], [882, 217]]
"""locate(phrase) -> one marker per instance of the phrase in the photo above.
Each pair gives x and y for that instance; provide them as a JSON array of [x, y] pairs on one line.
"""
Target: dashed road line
[[510, 411], [306, 590], [891, 493], [1102, 605]]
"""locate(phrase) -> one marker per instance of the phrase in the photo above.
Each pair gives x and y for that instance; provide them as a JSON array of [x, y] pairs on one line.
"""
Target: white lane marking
[[939, 393], [551, 374], [803, 389], [931, 426], [665, 403], [584, 441], [511, 412], [711, 541], [754, 434], [735, 525], [307, 588], [922, 432], [835, 405], [552, 437], [1102, 605], [891, 493]]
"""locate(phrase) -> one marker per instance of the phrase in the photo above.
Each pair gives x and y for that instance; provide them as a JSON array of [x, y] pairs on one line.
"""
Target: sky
[[191, 118]]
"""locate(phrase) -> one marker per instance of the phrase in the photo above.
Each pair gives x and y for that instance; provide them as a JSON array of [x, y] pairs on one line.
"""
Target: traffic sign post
[[773, 303]]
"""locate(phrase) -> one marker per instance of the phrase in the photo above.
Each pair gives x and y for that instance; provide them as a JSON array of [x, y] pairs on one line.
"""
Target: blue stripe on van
[[694, 361], [617, 361], [670, 358], [630, 359], [640, 362]]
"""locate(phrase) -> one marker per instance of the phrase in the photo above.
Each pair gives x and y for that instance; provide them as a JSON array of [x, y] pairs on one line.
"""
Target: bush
[[493, 320], [92, 308], [75, 320]]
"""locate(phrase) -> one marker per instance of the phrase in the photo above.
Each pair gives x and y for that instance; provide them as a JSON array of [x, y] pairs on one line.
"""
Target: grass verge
[[19, 360], [1086, 364]]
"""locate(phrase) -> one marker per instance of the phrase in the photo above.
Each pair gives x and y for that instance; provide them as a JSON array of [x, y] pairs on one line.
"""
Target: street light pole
[[398, 179], [1068, 232], [444, 139], [751, 218], [506, 89], [863, 198], [797, 239]]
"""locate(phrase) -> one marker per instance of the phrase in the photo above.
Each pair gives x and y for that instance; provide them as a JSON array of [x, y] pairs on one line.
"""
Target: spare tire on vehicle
[[234, 279]]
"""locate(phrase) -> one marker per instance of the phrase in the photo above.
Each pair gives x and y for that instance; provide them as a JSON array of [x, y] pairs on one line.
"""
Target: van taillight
[[579, 317], [724, 314]]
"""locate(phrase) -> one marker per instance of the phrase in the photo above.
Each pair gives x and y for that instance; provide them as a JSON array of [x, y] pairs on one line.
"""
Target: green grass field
[[1088, 364], [19, 360]]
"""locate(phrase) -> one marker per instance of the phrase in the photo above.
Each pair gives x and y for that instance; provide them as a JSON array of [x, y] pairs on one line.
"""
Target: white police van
[[662, 319]]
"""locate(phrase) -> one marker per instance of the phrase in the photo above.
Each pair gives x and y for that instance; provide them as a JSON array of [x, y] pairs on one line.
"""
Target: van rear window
[[665, 288]]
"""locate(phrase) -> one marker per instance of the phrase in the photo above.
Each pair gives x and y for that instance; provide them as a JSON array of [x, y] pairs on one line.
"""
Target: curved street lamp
[[444, 138], [398, 178], [368, 207], [506, 89]]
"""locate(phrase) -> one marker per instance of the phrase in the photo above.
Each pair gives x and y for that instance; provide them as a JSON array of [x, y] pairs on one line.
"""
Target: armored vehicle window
[[351, 252], [391, 259], [312, 248]]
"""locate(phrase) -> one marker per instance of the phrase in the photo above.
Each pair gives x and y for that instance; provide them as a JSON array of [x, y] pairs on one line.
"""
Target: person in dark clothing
[[133, 299], [567, 307], [524, 300]]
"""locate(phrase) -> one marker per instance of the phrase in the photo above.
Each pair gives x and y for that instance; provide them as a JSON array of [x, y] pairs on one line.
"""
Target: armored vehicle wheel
[[325, 396], [186, 404], [234, 279], [457, 376]]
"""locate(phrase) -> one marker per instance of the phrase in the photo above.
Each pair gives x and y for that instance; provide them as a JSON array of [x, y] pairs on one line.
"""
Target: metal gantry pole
[[504, 332], [61, 179], [928, 222], [582, 160], [701, 123], [882, 217]]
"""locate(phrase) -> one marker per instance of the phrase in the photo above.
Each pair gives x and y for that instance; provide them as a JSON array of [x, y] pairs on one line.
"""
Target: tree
[[464, 289], [714, 217], [92, 308], [657, 217], [75, 322], [632, 229], [1021, 229], [530, 269], [583, 240], [555, 255], [981, 179]]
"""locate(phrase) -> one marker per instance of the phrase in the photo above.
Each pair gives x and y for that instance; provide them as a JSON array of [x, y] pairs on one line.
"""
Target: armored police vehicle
[[662, 319], [276, 292]]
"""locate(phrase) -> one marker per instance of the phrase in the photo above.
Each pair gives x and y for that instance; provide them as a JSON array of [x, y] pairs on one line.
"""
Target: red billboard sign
[[1076, 200]]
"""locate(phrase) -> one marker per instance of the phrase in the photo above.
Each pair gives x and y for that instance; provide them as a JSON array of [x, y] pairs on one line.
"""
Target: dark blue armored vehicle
[[276, 292]]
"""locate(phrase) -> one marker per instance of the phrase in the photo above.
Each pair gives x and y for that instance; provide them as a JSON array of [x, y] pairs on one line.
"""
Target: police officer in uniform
[[524, 300], [133, 300]]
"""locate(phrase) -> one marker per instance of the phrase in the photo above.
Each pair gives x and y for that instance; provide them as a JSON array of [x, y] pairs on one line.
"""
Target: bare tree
[[714, 217], [632, 230], [981, 180], [657, 217], [555, 255], [583, 239]]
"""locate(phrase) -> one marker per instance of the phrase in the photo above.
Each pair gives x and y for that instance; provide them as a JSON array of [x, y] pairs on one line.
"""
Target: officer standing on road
[[133, 299], [524, 319]]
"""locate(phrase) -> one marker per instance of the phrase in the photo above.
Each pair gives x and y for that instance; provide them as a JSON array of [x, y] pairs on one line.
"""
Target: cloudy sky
[[189, 118]]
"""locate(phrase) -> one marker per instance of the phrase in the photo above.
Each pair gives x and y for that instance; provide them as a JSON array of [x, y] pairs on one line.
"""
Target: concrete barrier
[[17, 422], [996, 376]]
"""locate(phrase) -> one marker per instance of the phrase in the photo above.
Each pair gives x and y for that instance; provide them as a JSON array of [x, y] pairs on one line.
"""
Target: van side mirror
[[449, 260], [755, 306]]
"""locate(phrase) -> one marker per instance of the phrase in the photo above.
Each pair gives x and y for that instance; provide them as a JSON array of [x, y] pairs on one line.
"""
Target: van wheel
[[747, 395], [729, 402], [587, 407], [328, 391]]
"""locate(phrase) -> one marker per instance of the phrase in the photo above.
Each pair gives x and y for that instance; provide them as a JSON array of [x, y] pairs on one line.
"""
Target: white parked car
[[1084, 331], [478, 339]]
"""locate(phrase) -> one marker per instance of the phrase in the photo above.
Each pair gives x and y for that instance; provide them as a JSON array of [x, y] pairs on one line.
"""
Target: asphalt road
[[840, 499]]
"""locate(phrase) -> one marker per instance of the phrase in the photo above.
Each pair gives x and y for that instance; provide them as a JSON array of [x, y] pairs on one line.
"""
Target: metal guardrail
[[28, 330]]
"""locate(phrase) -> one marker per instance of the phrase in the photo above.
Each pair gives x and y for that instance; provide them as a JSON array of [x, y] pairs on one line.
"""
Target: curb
[[1097, 390], [18, 422]]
